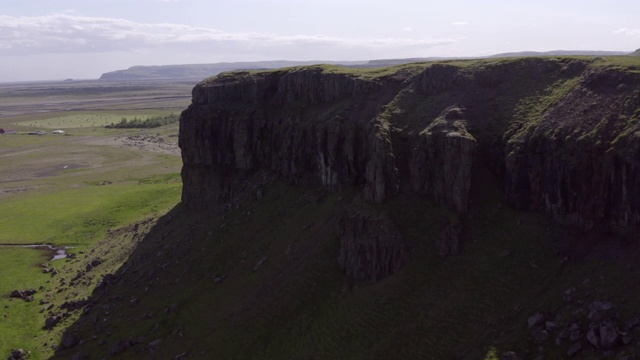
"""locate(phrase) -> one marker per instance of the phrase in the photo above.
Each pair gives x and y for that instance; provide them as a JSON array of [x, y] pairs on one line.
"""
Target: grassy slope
[[19, 269], [299, 305]]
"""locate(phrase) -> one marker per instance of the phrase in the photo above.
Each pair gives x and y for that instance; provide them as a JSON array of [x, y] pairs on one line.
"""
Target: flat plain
[[70, 189]]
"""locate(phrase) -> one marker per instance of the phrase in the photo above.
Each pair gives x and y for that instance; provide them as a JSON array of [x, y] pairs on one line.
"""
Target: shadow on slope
[[258, 279]]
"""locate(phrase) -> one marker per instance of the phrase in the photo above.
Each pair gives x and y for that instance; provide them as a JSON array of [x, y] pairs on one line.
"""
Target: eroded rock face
[[442, 158], [581, 163], [310, 127], [422, 130], [272, 122], [371, 247]]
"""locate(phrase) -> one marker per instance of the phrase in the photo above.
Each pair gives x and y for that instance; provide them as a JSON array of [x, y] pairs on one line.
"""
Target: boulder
[[609, 334], [26, 295], [592, 337], [18, 354], [535, 319], [52, 320]]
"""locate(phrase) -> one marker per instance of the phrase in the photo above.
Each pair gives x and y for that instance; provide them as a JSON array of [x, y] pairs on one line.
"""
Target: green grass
[[530, 110], [628, 63], [80, 120], [81, 216], [19, 271]]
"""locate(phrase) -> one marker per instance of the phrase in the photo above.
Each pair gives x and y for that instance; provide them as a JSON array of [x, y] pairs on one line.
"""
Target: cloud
[[459, 23], [408, 28], [626, 31], [66, 33]]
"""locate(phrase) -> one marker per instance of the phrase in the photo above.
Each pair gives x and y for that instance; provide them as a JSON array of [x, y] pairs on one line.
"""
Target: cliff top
[[626, 63]]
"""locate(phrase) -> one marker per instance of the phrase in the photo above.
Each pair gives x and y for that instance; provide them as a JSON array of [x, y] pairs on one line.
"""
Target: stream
[[57, 253]]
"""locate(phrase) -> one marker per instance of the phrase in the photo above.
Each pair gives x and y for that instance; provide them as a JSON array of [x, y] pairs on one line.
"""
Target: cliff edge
[[562, 133]]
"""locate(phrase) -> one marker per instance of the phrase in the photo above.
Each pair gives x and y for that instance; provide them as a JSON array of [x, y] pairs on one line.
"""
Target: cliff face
[[562, 133], [304, 126], [580, 162]]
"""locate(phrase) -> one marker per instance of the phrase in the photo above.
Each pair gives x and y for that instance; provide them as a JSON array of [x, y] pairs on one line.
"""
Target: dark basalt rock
[[425, 130], [371, 247]]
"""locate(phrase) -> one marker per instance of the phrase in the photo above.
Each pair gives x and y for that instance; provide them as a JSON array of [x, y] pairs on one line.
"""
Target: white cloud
[[408, 28], [626, 31], [65, 33], [459, 23]]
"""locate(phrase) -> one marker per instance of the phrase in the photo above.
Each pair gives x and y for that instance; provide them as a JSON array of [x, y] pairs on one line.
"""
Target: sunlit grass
[[80, 120], [81, 216], [19, 271]]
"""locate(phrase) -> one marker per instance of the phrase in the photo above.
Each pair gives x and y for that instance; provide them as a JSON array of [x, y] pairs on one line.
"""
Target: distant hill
[[390, 62], [560, 53], [635, 53], [201, 71]]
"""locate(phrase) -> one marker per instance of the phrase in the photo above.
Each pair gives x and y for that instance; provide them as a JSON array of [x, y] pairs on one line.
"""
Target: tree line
[[151, 122]]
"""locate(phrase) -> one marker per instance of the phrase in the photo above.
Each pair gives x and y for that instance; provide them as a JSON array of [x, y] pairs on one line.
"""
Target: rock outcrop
[[371, 247], [442, 158], [562, 133], [581, 161]]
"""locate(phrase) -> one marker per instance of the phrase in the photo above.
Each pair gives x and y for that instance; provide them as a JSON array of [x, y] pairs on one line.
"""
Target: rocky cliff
[[562, 133]]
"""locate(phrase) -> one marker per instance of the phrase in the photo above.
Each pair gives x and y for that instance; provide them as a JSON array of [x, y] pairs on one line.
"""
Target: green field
[[19, 322], [80, 120], [81, 216], [72, 191]]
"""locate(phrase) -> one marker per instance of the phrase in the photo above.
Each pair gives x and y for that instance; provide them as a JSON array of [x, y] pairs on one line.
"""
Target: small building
[[57, 132]]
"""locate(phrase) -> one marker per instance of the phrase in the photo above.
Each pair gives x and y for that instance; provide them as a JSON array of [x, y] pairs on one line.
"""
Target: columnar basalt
[[561, 132]]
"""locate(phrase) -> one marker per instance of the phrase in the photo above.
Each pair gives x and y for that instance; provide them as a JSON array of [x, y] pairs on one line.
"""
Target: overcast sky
[[81, 39]]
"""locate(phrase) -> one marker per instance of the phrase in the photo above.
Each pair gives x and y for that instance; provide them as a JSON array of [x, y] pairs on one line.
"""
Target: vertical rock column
[[371, 247], [441, 160]]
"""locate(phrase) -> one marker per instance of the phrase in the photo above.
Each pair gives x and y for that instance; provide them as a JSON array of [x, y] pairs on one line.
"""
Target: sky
[[81, 39]]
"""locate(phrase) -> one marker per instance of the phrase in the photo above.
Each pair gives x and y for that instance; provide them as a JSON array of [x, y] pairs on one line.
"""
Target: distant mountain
[[201, 71], [635, 53], [560, 53]]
